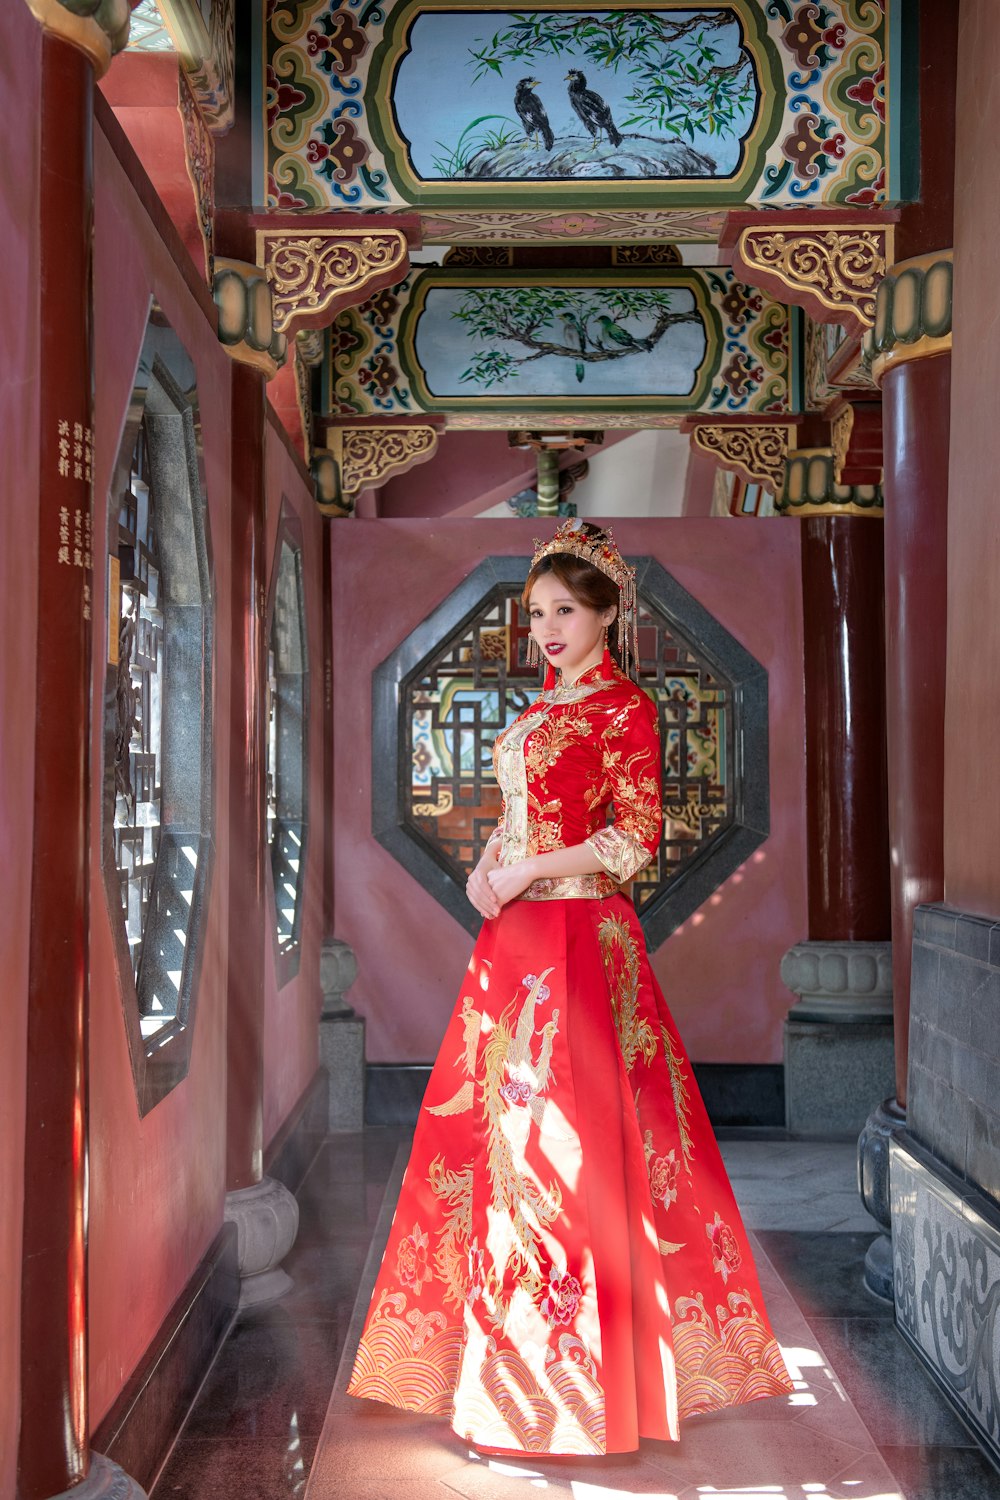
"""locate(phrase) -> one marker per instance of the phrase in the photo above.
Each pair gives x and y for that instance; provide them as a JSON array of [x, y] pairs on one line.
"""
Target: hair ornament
[[597, 547]]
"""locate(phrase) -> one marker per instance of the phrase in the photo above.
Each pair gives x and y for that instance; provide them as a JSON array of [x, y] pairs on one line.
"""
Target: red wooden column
[[328, 761], [53, 1452], [248, 928], [838, 1036], [845, 739], [264, 1211], [915, 404]]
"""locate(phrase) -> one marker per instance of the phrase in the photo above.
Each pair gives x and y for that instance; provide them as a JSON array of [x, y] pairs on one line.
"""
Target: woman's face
[[570, 635]]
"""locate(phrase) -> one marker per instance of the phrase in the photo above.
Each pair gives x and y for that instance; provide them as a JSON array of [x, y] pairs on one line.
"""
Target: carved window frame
[[290, 766], [164, 396], [746, 678]]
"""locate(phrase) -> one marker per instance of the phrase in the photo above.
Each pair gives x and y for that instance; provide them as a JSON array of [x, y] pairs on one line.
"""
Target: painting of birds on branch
[[541, 338], [629, 94]]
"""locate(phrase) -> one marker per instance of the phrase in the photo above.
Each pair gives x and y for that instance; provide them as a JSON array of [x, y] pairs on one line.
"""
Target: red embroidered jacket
[[563, 763]]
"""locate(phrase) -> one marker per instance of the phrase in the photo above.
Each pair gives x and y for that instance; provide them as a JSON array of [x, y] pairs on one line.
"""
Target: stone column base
[[838, 1038], [882, 1125], [267, 1220], [105, 1481], [840, 981]]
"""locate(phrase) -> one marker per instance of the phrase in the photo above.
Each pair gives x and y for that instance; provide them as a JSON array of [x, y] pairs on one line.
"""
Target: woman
[[567, 1271]]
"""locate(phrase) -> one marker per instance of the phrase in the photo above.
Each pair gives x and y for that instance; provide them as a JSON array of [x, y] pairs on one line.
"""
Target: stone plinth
[[267, 1220], [946, 1272], [341, 1038], [838, 1038]]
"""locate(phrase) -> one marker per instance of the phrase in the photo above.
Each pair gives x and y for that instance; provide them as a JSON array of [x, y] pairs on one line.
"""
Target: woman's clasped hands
[[491, 885]]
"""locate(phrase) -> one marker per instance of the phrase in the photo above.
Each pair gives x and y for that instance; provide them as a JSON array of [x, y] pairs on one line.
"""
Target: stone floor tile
[[619, 1475], [824, 1273], [884, 1379], [934, 1473], [223, 1470], [403, 1447], [740, 1455], [271, 1380]]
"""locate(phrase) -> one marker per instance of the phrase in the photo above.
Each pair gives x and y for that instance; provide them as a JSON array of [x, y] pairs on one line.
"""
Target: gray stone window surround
[[288, 823], [164, 393], [696, 881]]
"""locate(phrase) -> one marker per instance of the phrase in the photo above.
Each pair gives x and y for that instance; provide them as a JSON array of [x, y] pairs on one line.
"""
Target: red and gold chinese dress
[[567, 1270]]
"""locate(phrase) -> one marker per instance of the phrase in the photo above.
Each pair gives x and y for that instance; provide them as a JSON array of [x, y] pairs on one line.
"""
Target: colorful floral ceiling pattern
[[639, 344], [448, 106]]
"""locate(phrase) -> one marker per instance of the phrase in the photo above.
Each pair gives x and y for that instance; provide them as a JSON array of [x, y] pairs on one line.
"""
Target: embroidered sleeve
[[631, 753], [496, 837]]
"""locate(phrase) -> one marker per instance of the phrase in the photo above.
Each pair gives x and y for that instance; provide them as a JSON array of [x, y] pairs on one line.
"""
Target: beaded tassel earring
[[607, 660], [533, 657]]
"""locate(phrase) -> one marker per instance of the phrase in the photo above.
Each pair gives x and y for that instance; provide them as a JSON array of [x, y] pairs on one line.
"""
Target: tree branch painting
[[589, 328]]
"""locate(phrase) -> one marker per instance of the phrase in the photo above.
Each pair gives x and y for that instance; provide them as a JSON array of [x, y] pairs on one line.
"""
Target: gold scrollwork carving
[[314, 275], [756, 451], [827, 271], [368, 456], [840, 439], [199, 158]]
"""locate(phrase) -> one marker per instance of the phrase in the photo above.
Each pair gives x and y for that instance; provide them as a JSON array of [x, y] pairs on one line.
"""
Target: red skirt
[[566, 1270]]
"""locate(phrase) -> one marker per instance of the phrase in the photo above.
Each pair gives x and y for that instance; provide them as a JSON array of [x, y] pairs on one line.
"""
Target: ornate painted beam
[[206, 53], [826, 263], [316, 271]]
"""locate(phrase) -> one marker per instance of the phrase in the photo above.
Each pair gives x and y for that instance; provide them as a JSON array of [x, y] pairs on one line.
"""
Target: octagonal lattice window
[[157, 792], [287, 765], [462, 676]]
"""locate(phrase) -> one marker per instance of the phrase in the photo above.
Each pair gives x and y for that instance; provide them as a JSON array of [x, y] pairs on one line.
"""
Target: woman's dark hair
[[585, 582]]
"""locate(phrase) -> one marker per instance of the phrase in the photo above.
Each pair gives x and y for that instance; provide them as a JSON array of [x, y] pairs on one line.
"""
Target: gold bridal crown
[[600, 551]]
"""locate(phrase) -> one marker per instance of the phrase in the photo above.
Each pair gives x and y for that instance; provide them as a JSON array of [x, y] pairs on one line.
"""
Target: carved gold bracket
[[99, 38], [368, 456], [314, 276], [755, 451], [834, 273], [199, 158]]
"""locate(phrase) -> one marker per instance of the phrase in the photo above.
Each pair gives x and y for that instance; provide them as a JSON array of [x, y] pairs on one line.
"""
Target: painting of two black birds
[[588, 104]]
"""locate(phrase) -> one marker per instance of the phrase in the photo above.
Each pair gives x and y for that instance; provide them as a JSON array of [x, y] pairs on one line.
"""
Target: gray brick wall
[[954, 1076]]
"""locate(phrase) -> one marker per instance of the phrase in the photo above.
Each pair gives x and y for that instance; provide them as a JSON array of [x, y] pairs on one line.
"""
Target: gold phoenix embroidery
[[507, 1062], [636, 1037], [682, 1101]]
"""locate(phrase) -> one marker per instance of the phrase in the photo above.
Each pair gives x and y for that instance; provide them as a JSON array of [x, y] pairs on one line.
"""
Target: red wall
[[291, 1013], [720, 970], [972, 718], [158, 1184], [20, 63]]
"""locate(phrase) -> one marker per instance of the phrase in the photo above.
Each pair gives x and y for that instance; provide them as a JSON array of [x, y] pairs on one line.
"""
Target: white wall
[[643, 475]]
